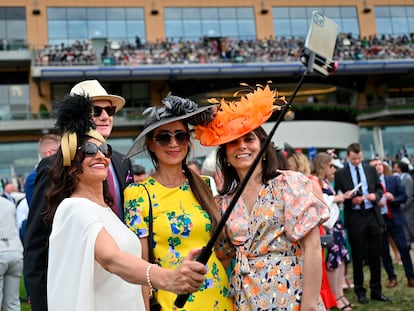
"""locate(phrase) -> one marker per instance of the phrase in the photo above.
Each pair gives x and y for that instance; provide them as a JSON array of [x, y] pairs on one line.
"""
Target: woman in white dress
[[94, 259]]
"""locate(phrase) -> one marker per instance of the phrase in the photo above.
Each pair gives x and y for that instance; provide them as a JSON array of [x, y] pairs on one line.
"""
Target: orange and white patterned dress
[[269, 260]]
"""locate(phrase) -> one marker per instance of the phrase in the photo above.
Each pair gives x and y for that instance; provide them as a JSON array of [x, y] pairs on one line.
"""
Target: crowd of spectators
[[215, 50]]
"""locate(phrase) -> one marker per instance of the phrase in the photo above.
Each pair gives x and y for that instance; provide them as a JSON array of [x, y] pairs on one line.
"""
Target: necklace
[[170, 181]]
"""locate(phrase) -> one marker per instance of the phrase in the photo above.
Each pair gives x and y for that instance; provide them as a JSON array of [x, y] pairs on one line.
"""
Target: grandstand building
[[199, 49]]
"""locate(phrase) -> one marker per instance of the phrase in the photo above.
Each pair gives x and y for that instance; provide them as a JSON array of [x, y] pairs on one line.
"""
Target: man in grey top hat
[[37, 233]]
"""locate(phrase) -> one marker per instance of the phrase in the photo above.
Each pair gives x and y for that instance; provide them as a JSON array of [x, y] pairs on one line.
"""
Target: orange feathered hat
[[236, 118]]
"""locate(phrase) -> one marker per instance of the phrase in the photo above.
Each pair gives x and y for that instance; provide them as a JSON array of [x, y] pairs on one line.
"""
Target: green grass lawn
[[402, 296]]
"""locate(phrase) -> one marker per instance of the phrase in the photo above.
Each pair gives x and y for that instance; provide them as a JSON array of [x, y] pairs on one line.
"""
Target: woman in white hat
[[181, 202]]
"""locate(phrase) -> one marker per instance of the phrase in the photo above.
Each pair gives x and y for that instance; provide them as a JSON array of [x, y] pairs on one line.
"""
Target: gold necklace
[[172, 184]]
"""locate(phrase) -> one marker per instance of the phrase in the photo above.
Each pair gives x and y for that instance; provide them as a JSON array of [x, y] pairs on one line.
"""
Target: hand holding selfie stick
[[313, 61], [207, 249]]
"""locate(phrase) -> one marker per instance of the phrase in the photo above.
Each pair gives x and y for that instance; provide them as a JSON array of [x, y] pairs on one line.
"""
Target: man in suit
[[9, 188], [390, 204], [403, 170], [37, 233], [363, 220]]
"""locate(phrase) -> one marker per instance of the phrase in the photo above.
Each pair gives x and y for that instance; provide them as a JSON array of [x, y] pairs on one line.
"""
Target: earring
[[227, 163], [264, 158]]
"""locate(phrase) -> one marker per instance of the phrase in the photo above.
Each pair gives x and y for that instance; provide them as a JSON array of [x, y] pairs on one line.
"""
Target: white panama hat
[[95, 91], [337, 163]]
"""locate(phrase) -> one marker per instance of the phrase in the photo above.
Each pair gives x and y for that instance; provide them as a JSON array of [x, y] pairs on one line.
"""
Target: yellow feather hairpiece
[[69, 143]]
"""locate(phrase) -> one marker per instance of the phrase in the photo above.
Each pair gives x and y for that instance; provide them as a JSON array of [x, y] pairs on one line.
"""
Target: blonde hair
[[302, 163], [48, 145], [319, 163]]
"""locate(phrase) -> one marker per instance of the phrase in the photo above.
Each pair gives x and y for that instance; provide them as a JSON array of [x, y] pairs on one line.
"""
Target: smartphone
[[321, 40]]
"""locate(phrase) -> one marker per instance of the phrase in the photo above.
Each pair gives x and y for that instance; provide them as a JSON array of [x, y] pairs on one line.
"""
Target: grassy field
[[402, 296]]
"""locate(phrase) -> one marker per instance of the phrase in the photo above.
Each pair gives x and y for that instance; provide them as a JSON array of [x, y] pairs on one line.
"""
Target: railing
[[13, 45], [128, 114], [219, 50]]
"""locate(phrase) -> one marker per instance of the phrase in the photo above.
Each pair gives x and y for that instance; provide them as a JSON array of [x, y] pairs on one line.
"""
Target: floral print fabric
[[179, 225], [266, 241]]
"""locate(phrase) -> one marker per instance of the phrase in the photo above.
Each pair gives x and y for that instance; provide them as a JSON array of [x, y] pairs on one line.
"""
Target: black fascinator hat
[[174, 108], [74, 121]]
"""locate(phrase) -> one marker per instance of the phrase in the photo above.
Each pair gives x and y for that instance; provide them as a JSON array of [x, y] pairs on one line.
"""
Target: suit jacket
[[407, 183], [344, 183], [36, 238], [393, 185]]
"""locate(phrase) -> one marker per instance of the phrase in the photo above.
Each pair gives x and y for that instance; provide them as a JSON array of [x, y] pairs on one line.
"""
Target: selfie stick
[[207, 249]]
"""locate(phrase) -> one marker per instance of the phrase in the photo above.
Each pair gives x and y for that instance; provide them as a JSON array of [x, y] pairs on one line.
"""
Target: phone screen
[[321, 39]]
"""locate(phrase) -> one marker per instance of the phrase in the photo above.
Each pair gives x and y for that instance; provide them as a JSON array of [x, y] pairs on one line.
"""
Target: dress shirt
[[364, 187]]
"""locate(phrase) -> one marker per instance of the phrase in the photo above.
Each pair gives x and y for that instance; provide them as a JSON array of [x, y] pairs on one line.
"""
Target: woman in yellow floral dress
[[274, 226], [183, 208]]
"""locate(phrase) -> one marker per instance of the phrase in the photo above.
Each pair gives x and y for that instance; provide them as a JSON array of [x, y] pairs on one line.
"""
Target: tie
[[386, 202], [111, 184], [359, 191]]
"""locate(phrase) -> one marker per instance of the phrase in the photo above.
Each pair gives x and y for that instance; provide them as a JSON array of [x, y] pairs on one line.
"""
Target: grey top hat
[[174, 108]]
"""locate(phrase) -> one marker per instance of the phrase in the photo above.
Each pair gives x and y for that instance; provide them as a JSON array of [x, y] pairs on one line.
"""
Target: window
[[293, 22], [14, 101], [394, 20], [13, 28], [67, 25], [195, 23]]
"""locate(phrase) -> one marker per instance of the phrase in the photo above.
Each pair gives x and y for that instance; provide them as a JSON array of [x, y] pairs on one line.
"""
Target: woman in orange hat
[[273, 229]]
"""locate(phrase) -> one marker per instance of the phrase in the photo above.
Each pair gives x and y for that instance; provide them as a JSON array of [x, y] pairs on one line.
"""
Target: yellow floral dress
[[269, 260], [179, 225]]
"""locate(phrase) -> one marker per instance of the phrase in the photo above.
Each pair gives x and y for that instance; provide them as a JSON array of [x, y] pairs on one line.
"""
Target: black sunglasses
[[97, 110], [91, 149], [164, 138]]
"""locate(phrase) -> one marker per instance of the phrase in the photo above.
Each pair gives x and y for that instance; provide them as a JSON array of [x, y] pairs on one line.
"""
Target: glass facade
[[196, 23], [293, 22], [67, 25], [13, 33], [14, 101], [394, 20], [394, 139]]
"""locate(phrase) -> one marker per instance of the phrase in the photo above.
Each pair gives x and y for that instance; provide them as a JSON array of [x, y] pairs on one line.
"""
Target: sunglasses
[[90, 149], [164, 138], [97, 110]]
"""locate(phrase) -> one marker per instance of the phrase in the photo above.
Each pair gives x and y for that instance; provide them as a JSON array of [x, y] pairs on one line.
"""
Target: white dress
[[75, 281]]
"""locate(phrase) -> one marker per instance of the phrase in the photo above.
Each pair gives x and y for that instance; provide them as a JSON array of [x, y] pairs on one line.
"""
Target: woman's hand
[[188, 277], [348, 195]]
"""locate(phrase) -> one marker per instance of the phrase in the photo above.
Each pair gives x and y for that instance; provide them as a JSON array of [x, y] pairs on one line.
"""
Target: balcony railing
[[13, 45]]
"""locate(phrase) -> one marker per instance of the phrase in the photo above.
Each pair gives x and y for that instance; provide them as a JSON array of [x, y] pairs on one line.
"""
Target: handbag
[[154, 304], [327, 241]]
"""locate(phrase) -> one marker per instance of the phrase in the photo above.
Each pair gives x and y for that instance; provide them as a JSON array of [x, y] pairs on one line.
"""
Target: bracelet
[[147, 274]]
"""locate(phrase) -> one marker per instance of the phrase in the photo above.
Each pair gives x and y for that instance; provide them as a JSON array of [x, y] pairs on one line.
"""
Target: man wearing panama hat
[[37, 233]]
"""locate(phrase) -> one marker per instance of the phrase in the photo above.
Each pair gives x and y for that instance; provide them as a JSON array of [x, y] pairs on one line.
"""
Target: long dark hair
[[199, 187], [270, 164], [64, 181]]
